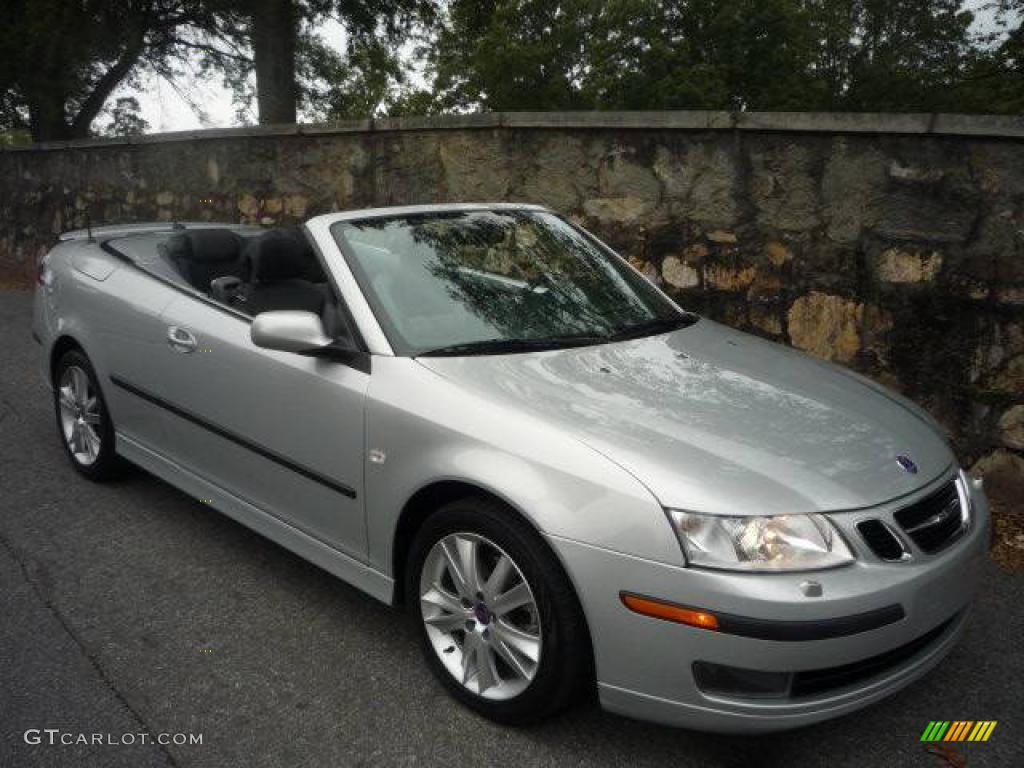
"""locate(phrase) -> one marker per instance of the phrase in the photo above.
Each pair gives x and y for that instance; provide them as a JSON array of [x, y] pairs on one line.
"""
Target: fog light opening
[[722, 680]]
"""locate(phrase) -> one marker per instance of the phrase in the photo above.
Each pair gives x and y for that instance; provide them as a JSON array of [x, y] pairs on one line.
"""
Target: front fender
[[430, 431]]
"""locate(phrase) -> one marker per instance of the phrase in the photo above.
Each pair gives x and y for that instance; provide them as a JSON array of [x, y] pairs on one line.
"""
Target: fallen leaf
[[948, 755]]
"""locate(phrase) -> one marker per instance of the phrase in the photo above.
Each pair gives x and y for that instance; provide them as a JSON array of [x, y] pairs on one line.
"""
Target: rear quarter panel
[[112, 311]]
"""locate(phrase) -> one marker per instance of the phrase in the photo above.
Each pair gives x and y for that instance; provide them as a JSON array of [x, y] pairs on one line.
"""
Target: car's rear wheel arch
[[62, 346], [83, 418]]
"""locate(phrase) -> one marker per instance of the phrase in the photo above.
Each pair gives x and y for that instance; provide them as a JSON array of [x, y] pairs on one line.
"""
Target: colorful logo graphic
[[958, 730]]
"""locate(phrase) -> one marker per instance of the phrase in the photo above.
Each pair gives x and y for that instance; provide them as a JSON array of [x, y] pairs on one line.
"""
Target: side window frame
[[335, 294], [240, 311]]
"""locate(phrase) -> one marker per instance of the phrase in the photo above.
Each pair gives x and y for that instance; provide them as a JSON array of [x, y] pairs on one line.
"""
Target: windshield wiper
[[508, 346], [654, 327]]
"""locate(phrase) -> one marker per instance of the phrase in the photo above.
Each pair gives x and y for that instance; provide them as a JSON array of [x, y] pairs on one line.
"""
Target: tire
[[482, 619], [83, 421]]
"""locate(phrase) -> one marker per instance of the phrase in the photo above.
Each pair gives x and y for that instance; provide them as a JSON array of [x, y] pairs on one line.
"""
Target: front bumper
[[645, 665]]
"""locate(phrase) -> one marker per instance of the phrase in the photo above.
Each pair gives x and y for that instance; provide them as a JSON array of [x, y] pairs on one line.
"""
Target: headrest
[[280, 254], [205, 245]]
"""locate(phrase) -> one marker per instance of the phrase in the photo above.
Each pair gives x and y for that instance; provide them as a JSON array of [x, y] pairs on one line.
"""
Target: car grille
[[881, 539], [935, 521], [817, 681]]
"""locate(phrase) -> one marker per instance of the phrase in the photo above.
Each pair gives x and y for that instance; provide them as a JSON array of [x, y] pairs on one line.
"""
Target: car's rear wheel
[[82, 418], [499, 622]]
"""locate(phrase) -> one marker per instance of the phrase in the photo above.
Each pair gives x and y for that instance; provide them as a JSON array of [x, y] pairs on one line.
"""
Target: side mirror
[[289, 331]]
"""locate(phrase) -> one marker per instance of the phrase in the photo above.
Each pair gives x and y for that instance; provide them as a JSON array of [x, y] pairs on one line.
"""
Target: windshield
[[490, 281]]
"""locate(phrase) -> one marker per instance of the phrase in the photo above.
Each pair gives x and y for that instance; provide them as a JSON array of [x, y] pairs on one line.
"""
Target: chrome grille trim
[[937, 520]]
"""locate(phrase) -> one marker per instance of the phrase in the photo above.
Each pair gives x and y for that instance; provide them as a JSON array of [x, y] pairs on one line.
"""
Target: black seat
[[282, 268], [202, 255]]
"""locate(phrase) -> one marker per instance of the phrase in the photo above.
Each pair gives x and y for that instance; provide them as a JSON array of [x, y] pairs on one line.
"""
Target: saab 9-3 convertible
[[484, 414]]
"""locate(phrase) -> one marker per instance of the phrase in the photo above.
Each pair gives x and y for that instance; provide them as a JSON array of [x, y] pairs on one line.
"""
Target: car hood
[[718, 421]]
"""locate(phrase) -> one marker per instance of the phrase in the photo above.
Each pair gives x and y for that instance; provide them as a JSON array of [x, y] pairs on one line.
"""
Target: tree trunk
[[46, 115], [274, 29], [101, 91]]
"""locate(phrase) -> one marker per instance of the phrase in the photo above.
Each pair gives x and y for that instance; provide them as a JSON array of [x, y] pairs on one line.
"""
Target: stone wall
[[890, 243]]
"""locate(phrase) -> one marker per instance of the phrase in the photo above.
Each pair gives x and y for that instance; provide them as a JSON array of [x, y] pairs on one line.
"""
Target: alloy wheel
[[80, 415], [480, 615]]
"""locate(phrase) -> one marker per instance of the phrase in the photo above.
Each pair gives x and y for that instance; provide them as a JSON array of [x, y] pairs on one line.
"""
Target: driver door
[[281, 431]]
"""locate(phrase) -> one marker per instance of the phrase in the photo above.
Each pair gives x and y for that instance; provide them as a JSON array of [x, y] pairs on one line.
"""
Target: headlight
[[781, 543]]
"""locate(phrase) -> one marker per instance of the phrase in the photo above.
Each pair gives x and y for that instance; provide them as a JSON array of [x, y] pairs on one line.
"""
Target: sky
[[166, 110]]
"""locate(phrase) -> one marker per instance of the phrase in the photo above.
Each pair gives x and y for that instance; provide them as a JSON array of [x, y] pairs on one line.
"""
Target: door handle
[[181, 340]]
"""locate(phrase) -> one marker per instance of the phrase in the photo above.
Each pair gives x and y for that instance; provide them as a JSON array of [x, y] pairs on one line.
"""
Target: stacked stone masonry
[[893, 244]]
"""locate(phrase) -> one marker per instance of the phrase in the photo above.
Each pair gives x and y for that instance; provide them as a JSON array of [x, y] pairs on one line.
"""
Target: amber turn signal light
[[658, 609]]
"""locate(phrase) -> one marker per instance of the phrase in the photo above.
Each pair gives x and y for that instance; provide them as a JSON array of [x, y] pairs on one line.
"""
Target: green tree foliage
[[515, 54], [722, 54], [865, 55], [369, 75], [901, 55], [996, 74], [296, 71], [361, 83], [125, 119], [60, 60]]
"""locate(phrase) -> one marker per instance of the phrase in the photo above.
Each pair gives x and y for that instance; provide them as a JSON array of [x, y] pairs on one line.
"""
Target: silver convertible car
[[481, 412]]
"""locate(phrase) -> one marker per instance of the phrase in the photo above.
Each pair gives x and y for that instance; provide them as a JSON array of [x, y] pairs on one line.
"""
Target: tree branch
[[209, 49], [102, 90]]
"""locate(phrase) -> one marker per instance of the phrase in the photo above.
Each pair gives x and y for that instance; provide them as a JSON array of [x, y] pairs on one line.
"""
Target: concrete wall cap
[[994, 126]]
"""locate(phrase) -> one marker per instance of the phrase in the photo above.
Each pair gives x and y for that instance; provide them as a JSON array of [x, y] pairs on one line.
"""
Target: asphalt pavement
[[132, 610]]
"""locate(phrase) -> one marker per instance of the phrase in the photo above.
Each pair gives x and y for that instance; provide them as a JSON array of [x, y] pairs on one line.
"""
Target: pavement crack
[[90, 657]]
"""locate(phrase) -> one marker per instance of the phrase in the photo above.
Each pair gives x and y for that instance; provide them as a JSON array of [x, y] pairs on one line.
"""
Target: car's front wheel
[[499, 622], [82, 417]]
